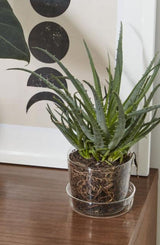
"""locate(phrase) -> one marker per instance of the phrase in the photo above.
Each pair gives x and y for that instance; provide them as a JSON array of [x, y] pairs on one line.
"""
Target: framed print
[[27, 134]]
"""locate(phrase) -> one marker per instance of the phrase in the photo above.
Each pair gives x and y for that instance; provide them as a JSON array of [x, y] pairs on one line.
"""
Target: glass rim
[[72, 149]]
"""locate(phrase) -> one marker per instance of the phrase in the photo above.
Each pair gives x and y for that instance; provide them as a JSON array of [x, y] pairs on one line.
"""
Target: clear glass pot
[[97, 184]]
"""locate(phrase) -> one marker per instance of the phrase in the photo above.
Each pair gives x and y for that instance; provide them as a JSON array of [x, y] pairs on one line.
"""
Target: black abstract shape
[[50, 8], [42, 96], [47, 73], [51, 37]]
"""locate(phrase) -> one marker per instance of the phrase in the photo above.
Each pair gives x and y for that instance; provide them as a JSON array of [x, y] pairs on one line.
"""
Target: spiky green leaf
[[141, 88], [94, 72], [100, 115], [76, 83], [114, 86], [120, 125]]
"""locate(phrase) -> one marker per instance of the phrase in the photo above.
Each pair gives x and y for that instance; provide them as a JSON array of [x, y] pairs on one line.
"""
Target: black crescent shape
[[42, 96], [47, 73]]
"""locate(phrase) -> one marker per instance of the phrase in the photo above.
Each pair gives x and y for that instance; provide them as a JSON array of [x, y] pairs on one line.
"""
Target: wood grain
[[35, 210]]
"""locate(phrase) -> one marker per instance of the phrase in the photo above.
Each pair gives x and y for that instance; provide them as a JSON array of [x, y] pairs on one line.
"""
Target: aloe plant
[[105, 128], [12, 41]]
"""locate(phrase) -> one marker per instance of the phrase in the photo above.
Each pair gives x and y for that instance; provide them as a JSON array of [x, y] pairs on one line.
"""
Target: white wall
[[155, 140]]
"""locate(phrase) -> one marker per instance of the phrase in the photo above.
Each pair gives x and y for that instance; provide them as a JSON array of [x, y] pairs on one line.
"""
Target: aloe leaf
[[140, 136], [134, 93], [94, 72], [143, 111], [84, 110], [98, 134], [97, 131], [110, 89], [114, 86], [146, 126], [100, 138], [148, 101], [65, 97], [12, 41], [131, 128], [137, 123], [132, 135], [74, 138], [148, 130], [139, 90], [105, 93], [70, 96], [120, 127], [65, 132], [71, 119], [109, 69], [147, 85], [119, 65], [131, 102], [67, 124], [140, 118], [77, 84], [99, 111], [132, 131], [74, 126]]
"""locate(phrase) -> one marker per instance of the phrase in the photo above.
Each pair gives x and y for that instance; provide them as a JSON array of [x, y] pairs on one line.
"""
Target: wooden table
[[34, 210]]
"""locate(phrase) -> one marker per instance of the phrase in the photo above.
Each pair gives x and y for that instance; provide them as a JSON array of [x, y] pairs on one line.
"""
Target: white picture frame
[[139, 21], [38, 146]]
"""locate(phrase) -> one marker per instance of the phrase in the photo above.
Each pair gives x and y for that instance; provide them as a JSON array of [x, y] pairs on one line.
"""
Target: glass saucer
[[102, 209]]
